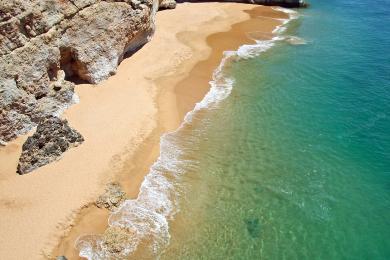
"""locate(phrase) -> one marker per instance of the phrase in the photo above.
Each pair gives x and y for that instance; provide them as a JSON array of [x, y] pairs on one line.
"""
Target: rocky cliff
[[46, 45]]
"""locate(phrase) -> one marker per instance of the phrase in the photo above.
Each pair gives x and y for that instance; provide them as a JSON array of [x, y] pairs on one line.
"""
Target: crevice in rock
[[40, 95], [69, 64], [52, 71]]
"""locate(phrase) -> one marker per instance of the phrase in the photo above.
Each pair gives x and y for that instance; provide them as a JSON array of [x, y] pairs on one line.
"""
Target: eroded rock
[[45, 45], [112, 198], [167, 4], [118, 241], [52, 138]]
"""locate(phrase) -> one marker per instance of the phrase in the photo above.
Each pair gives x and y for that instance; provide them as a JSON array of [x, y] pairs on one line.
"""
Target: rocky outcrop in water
[[117, 240], [112, 198], [46, 45], [52, 138]]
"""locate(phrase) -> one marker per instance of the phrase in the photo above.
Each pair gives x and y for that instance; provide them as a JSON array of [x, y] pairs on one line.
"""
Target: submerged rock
[[119, 241], [112, 198], [52, 138], [253, 227]]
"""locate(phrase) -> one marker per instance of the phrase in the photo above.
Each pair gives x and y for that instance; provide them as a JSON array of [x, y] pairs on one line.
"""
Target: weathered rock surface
[[167, 4], [45, 45], [52, 138], [112, 198], [118, 240]]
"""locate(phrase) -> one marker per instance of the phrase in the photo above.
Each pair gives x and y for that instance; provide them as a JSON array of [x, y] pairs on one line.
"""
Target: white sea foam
[[294, 40], [291, 13], [292, 16], [147, 216]]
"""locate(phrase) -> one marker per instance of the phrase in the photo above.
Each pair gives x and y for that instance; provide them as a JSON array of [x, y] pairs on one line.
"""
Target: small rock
[[253, 227], [117, 239], [135, 4], [61, 258], [112, 198], [52, 138], [167, 4]]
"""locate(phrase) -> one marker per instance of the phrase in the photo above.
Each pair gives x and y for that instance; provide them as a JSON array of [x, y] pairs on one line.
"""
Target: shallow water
[[295, 162]]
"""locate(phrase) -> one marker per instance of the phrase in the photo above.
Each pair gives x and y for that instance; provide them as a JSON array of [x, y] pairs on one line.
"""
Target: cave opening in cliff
[[70, 66]]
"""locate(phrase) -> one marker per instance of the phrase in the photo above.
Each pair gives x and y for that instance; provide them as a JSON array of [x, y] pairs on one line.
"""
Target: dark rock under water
[[253, 226]]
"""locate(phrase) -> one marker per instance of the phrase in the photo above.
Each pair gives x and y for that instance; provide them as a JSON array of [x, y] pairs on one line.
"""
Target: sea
[[286, 157]]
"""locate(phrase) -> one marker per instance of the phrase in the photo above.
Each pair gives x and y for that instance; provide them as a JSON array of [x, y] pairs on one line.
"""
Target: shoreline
[[165, 100], [184, 98]]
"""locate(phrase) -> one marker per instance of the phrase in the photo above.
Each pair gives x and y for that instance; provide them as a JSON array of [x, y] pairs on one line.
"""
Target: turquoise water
[[295, 162]]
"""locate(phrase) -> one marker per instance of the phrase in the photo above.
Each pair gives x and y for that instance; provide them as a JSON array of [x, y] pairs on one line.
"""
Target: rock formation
[[118, 240], [45, 45], [112, 198], [167, 4], [52, 137]]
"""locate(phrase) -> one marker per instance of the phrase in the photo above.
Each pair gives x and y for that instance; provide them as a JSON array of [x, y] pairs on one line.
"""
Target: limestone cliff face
[[45, 45]]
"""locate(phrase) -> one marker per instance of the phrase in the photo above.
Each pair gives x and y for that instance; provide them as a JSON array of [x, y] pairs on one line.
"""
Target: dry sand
[[121, 120]]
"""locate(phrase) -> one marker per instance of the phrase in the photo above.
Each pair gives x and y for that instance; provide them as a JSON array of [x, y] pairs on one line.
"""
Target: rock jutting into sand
[[52, 138], [112, 198]]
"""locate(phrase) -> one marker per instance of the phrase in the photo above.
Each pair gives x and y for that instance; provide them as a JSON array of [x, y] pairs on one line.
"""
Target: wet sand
[[121, 120]]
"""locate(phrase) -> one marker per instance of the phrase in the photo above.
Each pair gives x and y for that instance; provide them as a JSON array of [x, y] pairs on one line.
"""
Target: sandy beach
[[121, 120]]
